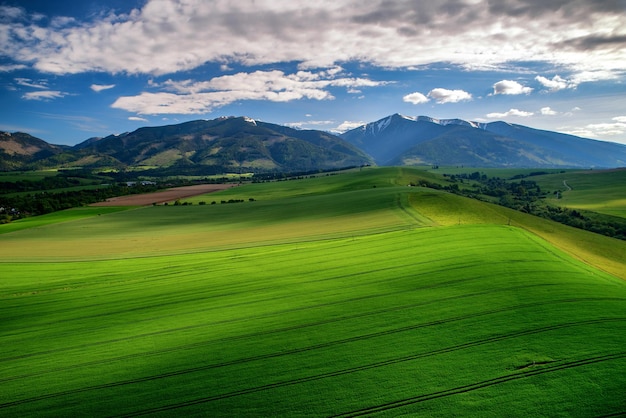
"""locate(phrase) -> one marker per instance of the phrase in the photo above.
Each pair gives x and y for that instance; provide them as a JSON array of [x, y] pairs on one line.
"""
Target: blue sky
[[73, 70]]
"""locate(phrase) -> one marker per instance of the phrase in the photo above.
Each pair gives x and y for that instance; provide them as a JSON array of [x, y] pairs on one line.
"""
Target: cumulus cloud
[[442, 96], [599, 130], [547, 111], [348, 125], [197, 97], [511, 112], [555, 84], [510, 87], [415, 98], [44, 95], [99, 87], [585, 35], [137, 119]]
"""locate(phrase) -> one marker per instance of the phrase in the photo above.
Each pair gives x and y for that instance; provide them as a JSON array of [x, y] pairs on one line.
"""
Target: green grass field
[[601, 191], [342, 295], [13, 176]]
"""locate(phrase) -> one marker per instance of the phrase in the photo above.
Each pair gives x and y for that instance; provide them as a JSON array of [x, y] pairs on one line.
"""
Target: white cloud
[[44, 95], [510, 87], [8, 12], [511, 112], [581, 35], [547, 111], [621, 119], [309, 123], [348, 125], [415, 98], [99, 87], [599, 130], [555, 84], [442, 96], [27, 82], [197, 97], [11, 67], [593, 76], [137, 119]]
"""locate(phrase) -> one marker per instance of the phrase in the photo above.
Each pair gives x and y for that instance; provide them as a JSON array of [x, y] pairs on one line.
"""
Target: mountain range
[[231, 144], [404, 140]]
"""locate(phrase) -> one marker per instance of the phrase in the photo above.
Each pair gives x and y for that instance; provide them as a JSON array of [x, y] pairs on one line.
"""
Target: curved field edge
[[163, 230], [428, 321], [445, 209]]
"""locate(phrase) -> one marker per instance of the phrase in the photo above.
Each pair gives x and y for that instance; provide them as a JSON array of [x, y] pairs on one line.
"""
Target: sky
[[72, 70]]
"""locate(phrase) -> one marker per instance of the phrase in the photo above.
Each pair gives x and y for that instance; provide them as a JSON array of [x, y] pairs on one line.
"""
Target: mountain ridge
[[412, 140], [228, 144]]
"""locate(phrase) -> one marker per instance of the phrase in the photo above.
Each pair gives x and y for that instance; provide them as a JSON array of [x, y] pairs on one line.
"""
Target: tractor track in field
[[374, 250], [480, 385], [312, 324], [248, 318], [397, 267], [155, 278], [272, 314], [421, 398], [451, 263], [310, 348], [245, 291]]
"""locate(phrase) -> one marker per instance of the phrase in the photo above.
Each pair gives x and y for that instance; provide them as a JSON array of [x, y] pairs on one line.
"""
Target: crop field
[[26, 175], [598, 191], [345, 295]]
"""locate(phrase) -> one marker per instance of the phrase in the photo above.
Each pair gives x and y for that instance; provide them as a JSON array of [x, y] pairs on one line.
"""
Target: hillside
[[340, 295], [19, 149], [402, 140], [211, 147]]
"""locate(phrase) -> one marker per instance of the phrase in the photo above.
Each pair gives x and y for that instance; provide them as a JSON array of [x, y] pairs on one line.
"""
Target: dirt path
[[569, 189], [168, 195]]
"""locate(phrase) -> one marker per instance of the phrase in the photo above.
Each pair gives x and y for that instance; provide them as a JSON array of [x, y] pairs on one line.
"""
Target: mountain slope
[[583, 151], [402, 140], [201, 146], [17, 149], [229, 143]]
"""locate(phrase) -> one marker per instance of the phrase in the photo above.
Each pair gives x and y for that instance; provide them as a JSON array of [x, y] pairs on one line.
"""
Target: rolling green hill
[[602, 191], [341, 295]]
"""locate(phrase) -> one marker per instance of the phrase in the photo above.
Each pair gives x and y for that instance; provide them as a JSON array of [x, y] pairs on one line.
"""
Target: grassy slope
[[390, 316], [57, 217], [598, 191], [608, 254]]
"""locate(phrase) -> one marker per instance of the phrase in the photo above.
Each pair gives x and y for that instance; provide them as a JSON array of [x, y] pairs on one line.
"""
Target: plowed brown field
[[168, 195]]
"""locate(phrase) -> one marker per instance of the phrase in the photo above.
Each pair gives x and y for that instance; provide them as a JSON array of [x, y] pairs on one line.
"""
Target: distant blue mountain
[[404, 140]]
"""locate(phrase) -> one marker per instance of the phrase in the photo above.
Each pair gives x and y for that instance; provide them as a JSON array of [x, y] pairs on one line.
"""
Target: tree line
[[527, 196]]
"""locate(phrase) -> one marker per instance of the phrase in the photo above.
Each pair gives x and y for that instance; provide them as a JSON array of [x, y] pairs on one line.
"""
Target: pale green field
[[322, 297], [599, 191]]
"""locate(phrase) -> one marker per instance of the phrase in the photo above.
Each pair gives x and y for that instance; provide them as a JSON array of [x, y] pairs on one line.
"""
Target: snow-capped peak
[[411, 118], [375, 128], [382, 124], [445, 122], [249, 120]]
